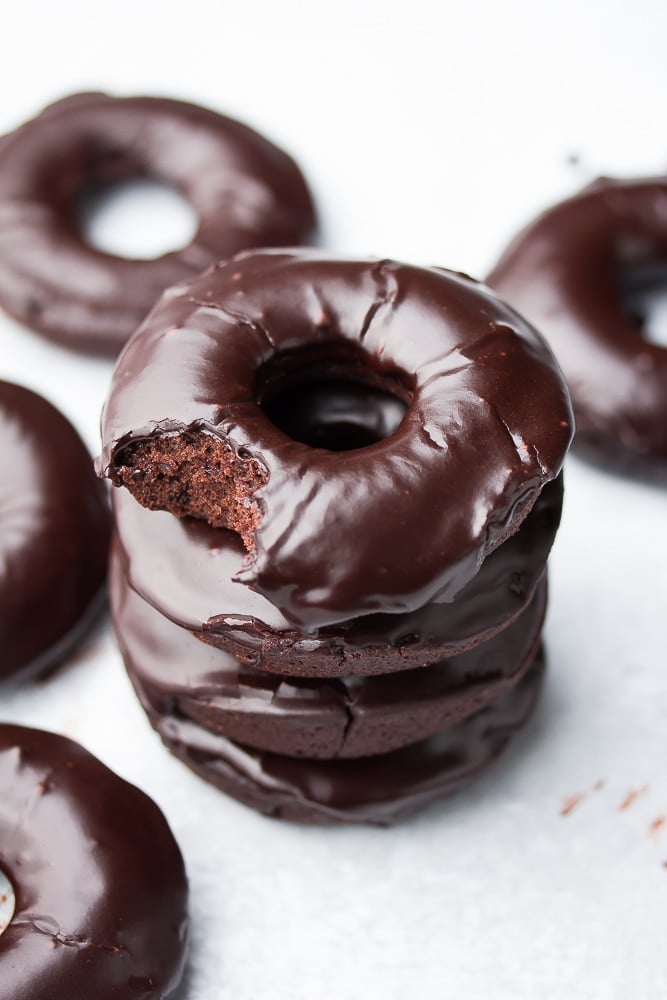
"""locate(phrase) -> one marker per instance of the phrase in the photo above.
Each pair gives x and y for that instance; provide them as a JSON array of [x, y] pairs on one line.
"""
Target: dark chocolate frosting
[[101, 893], [187, 570], [244, 190], [380, 789], [345, 717], [573, 272], [389, 527], [54, 534]]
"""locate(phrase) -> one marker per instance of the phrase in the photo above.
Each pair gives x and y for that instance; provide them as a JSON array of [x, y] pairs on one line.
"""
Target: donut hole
[[331, 398], [7, 902], [644, 295], [335, 414], [138, 218]]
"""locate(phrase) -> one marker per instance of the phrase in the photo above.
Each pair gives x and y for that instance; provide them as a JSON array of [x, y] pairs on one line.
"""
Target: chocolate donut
[[186, 570], [576, 272], [244, 191], [380, 789], [100, 887], [54, 535], [331, 535], [348, 717]]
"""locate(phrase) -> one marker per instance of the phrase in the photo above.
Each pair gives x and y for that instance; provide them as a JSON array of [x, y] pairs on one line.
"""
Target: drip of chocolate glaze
[[345, 717], [380, 790], [187, 571]]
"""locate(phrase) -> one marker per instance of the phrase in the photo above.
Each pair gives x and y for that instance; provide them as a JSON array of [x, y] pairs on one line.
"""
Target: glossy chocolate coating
[[347, 717], [380, 789], [54, 534], [390, 527], [244, 190], [187, 571], [572, 272], [101, 893]]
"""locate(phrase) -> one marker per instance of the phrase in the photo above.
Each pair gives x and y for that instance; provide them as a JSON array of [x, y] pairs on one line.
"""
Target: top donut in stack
[[334, 468]]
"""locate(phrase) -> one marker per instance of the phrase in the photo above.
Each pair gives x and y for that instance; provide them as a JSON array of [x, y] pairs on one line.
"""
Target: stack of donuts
[[339, 482]]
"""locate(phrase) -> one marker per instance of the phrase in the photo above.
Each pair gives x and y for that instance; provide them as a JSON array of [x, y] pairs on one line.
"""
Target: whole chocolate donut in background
[[244, 190], [578, 273], [186, 569], [191, 426], [54, 535], [100, 887], [347, 717], [381, 789]]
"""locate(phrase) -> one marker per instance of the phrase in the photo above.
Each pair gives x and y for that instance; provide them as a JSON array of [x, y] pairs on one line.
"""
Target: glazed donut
[[99, 882], [186, 570], [574, 272], [54, 535], [381, 789], [346, 717], [191, 426], [244, 191]]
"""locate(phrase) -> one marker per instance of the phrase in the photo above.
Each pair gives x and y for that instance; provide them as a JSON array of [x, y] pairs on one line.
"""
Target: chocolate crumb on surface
[[657, 825], [632, 797], [570, 804]]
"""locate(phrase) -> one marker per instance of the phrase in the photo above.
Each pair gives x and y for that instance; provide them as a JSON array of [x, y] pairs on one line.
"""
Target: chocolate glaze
[[101, 893], [380, 789], [389, 527], [187, 571], [347, 717], [54, 535], [245, 191], [573, 272]]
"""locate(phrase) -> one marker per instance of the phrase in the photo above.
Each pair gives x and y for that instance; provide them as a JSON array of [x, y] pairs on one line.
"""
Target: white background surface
[[429, 131]]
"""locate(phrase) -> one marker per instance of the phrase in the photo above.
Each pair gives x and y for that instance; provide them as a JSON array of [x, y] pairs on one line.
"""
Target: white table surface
[[430, 131]]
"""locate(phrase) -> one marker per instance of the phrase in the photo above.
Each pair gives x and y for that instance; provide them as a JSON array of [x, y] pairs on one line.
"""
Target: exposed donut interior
[[194, 474]]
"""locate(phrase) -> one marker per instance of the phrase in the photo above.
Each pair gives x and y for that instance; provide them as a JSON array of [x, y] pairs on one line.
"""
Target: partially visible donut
[[191, 426], [99, 881], [576, 272], [343, 717], [54, 535], [244, 190]]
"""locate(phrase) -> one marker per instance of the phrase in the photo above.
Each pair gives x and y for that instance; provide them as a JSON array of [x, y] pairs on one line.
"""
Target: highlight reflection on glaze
[[342, 717]]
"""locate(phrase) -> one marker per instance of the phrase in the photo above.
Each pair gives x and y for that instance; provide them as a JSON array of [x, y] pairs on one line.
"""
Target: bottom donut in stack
[[347, 749]]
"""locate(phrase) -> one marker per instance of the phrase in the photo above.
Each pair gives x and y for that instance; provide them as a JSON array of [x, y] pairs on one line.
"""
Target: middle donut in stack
[[335, 472]]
